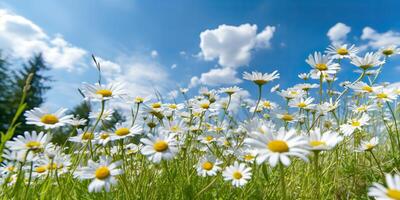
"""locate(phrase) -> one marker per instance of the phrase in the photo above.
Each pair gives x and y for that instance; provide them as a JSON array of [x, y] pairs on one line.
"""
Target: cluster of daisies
[[223, 129]]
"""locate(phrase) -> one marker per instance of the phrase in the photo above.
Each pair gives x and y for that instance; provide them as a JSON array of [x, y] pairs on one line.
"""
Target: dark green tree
[[5, 82]]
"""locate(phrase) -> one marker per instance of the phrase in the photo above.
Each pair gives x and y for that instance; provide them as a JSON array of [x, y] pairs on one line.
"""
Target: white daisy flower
[[368, 61], [361, 87], [364, 108], [239, 174], [292, 93], [208, 166], [354, 124], [383, 94], [83, 137], [340, 51], [287, 117], [208, 137], [122, 131], [230, 90], [103, 138], [321, 64], [102, 92], [304, 76], [368, 145], [106, 116], [31, 141], [76, 121], [278, 147], [390, 50], [159, 147], [103, 173], [260, 78], [392, 192], [267, 105], [323, 142], [48, 120], [302, 103]]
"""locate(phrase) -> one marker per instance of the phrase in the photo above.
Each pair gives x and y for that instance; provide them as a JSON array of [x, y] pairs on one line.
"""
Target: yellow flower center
[[156, 105], [173, 106], [122, 131], [104, 92], [393, 193], [267, 104], [102, 173], [160, 146], [366, 66], [382, 96], [342, 51], [139, 100], [260, 82], [388, 52], [248, 157], [209, 138], [367, 88], [205, 105], [87, 136], [11, 168], [51, 167], [362, 109], [49, 119], [301, 105], [33, 144], [41, 169], [237, 175], [355, 123], [287, 117], [278, 146], [321, 66], [316, 143], [369, 146], [104, 136], [207, 166]]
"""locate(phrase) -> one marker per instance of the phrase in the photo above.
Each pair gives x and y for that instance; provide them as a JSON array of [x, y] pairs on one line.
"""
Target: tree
[[35, 97], [5, 92]]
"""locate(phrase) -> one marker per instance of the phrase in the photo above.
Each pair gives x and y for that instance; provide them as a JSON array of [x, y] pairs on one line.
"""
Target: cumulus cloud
[[23, 38], [232, 45], [377, 40], [216, 77], [338, 32], [154, 54]]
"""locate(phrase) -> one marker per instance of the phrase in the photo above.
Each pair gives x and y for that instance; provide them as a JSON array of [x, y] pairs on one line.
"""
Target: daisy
[[292, 93], [159, 147], [76, 121], [321, 64], [361, 87], [102, 172], [302, 103], [337, 51], [354, 124], [368, 145], [207, 138], [48, 120], [230, 90], [208, 166], [287, 117], [31, 141], [260, 78], [83, 137], [368, 61], [304, 76], [277, 147], [322, 142], [392, 192], [106, 116], [204, 105], [268, 105], [239, 174], [122, 131], [384, 95], [390, 50], [103, 138], [102, 92], [364, 108]]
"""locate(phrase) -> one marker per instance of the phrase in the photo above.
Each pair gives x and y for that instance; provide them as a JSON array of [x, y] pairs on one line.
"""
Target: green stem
[[259, 99]]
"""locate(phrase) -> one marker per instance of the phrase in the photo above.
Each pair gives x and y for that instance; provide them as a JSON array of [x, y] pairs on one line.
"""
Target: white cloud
[[23, 38], [236, 99], [154, 54], [338, 32], [216, 77], [377, 40], [232, 45], [173, 66]]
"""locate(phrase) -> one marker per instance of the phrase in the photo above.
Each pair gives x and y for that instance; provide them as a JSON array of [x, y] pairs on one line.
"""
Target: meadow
[[325, 139]]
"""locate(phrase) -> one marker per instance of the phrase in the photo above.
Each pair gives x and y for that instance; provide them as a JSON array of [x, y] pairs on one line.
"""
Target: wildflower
[[31, 141], [208, 166], [99, 92], [260, 78], [102, 172], [302, 103], [337, 51], [368, 145], [277, 147], [318, 141], [122, 131], [368, 61], [239, 174], [159, 147], [48, 120], [392, 191], [83, 137], [107, 115], [230, 90], [321, 64], [354, 124], [390, 50]]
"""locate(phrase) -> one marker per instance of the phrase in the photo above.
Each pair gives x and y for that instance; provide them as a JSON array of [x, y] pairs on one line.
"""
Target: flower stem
[[259, 99]]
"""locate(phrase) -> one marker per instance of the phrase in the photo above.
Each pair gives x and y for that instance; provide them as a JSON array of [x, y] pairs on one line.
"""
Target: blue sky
[[125, 33]]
